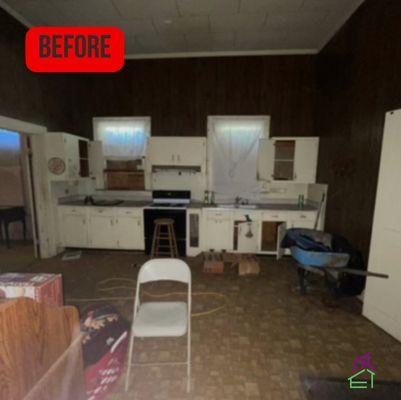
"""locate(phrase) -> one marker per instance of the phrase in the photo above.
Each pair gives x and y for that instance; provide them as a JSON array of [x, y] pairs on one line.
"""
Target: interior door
[[383, 296]]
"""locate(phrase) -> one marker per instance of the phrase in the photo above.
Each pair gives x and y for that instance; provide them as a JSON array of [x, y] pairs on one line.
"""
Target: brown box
[[122, 180], [248, 265], [131, 165], [213, 263], [44, 288]]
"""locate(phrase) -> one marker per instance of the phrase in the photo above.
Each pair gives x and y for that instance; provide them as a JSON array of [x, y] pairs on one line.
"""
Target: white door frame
[[30, 129]]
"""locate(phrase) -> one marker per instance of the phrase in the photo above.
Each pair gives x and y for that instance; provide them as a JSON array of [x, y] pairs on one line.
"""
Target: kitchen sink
[[239, 206]]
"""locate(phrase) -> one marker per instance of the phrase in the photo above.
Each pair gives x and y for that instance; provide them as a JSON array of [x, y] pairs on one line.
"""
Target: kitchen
[[248, 149], [126, 222]]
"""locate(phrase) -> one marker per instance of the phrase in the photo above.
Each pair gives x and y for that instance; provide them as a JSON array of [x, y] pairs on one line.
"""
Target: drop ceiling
[[176, 28]]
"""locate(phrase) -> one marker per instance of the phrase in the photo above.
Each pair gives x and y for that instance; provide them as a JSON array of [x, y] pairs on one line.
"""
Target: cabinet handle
[[173, 157], [83, 222], [302, 216], [178, 157], [111, 222]]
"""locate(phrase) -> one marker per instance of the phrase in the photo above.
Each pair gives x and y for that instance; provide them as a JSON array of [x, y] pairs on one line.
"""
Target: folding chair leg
[[189, 361], [130, 355]]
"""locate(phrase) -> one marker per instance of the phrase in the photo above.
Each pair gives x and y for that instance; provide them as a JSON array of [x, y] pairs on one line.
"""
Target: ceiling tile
[[135, 26], [267, 6], [257, 40], [236, 22], [295, 20], [222, 41], [207, 7], [37, 12], [162, 43], [86, 12], [182, 25], [130, 9], [332, 5]]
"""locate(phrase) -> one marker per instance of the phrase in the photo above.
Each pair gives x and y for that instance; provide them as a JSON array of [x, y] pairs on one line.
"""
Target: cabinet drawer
[[218, 215], [105, 211], [275, 216], [72, 210], [303, 215], [131, 212]]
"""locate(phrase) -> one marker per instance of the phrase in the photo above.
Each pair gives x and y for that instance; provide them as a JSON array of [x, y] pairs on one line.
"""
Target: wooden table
[[10, 214]]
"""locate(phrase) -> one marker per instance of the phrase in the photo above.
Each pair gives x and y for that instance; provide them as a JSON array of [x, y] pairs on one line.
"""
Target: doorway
[[18, 245]]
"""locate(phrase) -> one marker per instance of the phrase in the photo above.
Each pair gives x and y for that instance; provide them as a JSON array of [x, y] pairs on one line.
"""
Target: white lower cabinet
[[101, 227], [74, 230], [102, 231], [129, 231], [219, 229]]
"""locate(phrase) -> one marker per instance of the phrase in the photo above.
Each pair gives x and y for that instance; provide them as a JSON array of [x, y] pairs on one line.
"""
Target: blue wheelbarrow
[[313, 252]]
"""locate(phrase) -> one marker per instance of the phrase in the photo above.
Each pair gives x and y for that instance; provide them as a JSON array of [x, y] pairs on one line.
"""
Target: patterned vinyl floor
[[257, 347]]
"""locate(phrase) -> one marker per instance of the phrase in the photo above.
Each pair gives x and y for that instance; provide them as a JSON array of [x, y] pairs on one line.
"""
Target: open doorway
[[17, 211]]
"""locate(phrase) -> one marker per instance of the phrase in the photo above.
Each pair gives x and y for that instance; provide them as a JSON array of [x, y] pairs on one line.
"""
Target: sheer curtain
[[233, 150], [123, 138]]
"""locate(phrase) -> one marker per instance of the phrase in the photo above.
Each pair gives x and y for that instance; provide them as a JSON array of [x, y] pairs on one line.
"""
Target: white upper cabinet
[[176, 152], [96, 162], [67, 156], [290, 159]]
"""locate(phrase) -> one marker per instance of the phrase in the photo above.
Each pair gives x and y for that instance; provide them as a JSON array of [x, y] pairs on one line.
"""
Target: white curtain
[[233, 146], [123, 138]]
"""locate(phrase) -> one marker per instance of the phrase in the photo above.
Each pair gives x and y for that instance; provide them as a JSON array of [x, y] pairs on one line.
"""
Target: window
[[233, 152], [124, 138]]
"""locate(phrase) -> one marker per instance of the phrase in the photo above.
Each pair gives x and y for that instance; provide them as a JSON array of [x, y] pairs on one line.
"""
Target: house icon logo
[[364, 373]]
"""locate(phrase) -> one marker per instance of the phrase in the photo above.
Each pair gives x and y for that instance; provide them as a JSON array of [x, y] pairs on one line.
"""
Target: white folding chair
[[162, 319]]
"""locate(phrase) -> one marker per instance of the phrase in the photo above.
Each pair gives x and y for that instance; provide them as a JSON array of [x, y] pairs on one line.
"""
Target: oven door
[[180, 228]]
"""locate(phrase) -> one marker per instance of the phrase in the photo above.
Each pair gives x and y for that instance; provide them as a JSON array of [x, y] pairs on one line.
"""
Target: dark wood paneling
[[38, 98], [179, 94], [359, 80]]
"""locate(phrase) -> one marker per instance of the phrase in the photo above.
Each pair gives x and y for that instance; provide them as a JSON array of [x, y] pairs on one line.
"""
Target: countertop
[[194, 204]]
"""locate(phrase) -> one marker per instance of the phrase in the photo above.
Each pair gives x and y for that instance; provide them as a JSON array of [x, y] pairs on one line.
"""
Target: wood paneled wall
[[359, 80], [179, 94]]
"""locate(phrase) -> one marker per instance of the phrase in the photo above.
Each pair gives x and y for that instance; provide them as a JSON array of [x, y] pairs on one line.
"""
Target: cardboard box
[[248, 265], [44, 288], [213, 263]]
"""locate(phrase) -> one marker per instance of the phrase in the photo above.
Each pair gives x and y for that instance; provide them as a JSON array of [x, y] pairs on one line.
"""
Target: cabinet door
[[72, 156], [265, 160], [190, 151], [193, 232], [306, 153], [96, 162], [102, 232], [219, 235], [281, 230], [129, 233], [74, 230]]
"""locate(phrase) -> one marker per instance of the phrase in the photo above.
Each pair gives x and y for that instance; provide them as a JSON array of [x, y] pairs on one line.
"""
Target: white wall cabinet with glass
[[176, 152], [71, 157], [288, 159]]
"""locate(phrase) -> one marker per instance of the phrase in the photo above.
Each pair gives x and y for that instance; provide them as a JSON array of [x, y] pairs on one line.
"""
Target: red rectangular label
[[74, 49]]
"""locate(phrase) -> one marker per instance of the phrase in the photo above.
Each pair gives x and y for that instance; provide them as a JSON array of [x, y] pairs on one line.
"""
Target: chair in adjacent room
[[162, 319]]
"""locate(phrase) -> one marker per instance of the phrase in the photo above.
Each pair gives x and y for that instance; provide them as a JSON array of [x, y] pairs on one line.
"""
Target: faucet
[[240, 200]]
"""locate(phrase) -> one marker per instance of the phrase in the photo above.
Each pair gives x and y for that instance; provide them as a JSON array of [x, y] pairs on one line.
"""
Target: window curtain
[[123, 138], [233, 147]]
